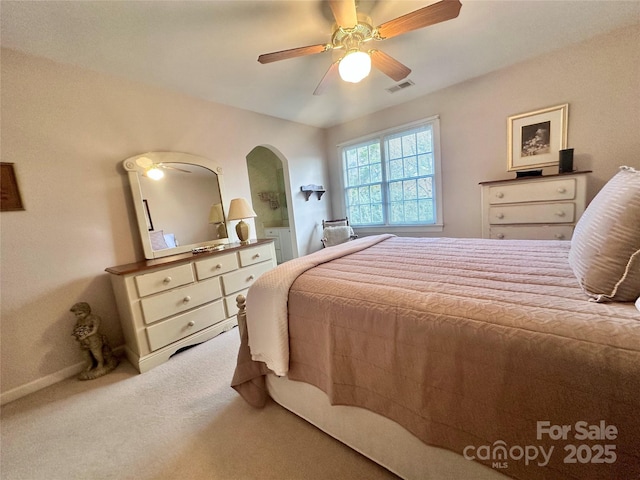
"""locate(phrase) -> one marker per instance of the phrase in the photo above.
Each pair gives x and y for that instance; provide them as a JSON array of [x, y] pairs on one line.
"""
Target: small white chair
[[335, 232]]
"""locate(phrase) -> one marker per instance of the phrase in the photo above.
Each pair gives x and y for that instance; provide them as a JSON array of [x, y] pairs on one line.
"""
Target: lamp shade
[[354, 66], [239, 209], [215, 214]]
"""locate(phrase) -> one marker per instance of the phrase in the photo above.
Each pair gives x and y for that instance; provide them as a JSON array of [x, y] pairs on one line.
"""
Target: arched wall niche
[[271, 193]]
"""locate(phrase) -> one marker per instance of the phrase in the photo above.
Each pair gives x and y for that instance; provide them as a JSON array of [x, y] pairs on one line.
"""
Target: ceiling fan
[[154, 170], [353, 32]]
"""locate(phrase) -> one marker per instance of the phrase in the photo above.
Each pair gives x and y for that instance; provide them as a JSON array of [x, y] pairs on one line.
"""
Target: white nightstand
[[537, 208]]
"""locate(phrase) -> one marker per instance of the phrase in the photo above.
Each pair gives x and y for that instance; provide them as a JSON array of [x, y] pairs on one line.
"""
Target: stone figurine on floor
[[95, 346]]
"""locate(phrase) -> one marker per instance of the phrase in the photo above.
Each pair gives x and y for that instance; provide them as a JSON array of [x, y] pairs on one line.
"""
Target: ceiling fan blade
[[389, 65], [328, 79], [293, 52], [344, 11], [429, 15]]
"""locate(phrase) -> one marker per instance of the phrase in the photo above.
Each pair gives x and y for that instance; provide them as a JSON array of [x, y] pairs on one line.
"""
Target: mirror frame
[[134, 171]]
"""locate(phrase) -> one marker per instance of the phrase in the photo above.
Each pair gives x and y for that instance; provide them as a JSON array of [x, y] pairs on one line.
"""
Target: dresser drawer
[[216, 265], [244, 278], [533, 213], [254, 255], [179, 300], [561, 189], [230, 304], [150, 283], [532, 232], [181, 326]]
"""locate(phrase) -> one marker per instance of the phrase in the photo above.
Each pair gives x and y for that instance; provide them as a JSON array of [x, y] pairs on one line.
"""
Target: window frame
[[408, 228]]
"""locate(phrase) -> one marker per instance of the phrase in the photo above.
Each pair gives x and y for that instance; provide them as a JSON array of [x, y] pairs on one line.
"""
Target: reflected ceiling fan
[[154, 170], [352, 34]]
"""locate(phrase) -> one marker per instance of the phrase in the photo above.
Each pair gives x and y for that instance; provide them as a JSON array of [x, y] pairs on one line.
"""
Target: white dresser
[[175, 302], [537, 208]]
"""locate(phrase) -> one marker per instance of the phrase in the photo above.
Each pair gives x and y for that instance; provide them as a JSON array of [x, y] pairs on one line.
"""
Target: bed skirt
[[374, 436]]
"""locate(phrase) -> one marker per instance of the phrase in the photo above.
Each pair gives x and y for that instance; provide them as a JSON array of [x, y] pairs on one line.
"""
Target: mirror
[[181, 211]]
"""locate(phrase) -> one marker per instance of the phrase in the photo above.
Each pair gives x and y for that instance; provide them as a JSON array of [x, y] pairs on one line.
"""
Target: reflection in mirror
[[180, 210]]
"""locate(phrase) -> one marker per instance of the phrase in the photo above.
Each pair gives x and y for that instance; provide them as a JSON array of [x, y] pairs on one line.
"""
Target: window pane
[[409, 189], [377, 216], [408, 145], [363, 156], [395, 169], [411, 211], [363, 175], [376, 193], [425, 187], [426, 211], [374, 152], [395, 192], [425, 164], [425, 141], [352, 177], [397, 213], [352, 158], [376, 172], [394, 147], [411, 166]]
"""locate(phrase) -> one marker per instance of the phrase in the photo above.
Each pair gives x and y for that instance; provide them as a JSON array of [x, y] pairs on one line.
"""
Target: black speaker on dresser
[[565, 164]]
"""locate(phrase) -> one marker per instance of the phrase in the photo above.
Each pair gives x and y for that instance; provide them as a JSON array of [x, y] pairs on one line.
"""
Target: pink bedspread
[[474, 345]]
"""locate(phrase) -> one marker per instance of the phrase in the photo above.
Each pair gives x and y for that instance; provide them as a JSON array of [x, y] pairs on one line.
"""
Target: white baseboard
[[44, 382]]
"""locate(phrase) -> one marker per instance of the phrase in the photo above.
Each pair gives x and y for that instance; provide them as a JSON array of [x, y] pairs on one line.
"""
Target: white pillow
[[605, 247]]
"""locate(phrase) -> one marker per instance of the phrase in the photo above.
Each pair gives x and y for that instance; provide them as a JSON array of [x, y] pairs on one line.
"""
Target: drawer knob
[[500, 236], [251, 277], [562, 190], [560, 236], [191, 323], [257, 255], [500, 215], [166, 280], [186, 299], [499, 194], [218, 266], [560, 213]]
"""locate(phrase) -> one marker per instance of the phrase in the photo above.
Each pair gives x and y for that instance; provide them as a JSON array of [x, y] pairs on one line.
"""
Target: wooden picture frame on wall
[[10, 199], [536, 138]]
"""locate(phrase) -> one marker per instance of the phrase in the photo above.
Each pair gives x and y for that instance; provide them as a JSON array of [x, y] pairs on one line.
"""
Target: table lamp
[[240, 209], [216, 217]]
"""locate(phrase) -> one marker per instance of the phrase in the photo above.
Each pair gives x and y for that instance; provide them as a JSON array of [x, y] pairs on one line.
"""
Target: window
[[393, 179]]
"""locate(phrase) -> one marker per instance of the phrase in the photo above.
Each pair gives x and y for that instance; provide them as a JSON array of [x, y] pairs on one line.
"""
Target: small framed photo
[[536, 138], [9, 193]]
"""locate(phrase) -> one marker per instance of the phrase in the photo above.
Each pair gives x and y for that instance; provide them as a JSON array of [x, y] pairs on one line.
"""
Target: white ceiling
[[209, 48]]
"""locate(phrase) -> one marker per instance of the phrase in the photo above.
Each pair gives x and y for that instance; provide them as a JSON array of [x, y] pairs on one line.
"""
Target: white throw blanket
[[267, 322]]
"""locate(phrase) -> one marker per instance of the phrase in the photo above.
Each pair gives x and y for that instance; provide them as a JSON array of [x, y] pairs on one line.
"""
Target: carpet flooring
[[180, 420]]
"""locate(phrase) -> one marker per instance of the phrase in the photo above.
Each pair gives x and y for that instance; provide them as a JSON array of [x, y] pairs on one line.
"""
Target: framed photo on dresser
[[535, 138]]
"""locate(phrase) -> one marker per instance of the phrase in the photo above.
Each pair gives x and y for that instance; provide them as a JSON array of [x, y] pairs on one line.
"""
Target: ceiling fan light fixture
[[155, 173], [355, 66]]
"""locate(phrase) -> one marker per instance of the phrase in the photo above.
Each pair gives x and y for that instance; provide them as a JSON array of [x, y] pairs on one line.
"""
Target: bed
[[463, 358]]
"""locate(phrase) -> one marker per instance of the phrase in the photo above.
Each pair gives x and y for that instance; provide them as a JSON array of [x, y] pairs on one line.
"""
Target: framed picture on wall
[[535, 138], [10, 198]]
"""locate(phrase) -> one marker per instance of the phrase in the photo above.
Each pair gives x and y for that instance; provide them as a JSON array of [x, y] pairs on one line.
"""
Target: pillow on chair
[[337, 235], [605, 247]]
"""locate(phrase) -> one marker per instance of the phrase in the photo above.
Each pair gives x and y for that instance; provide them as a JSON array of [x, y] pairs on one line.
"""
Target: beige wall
[[67, 130], [600, 79]]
